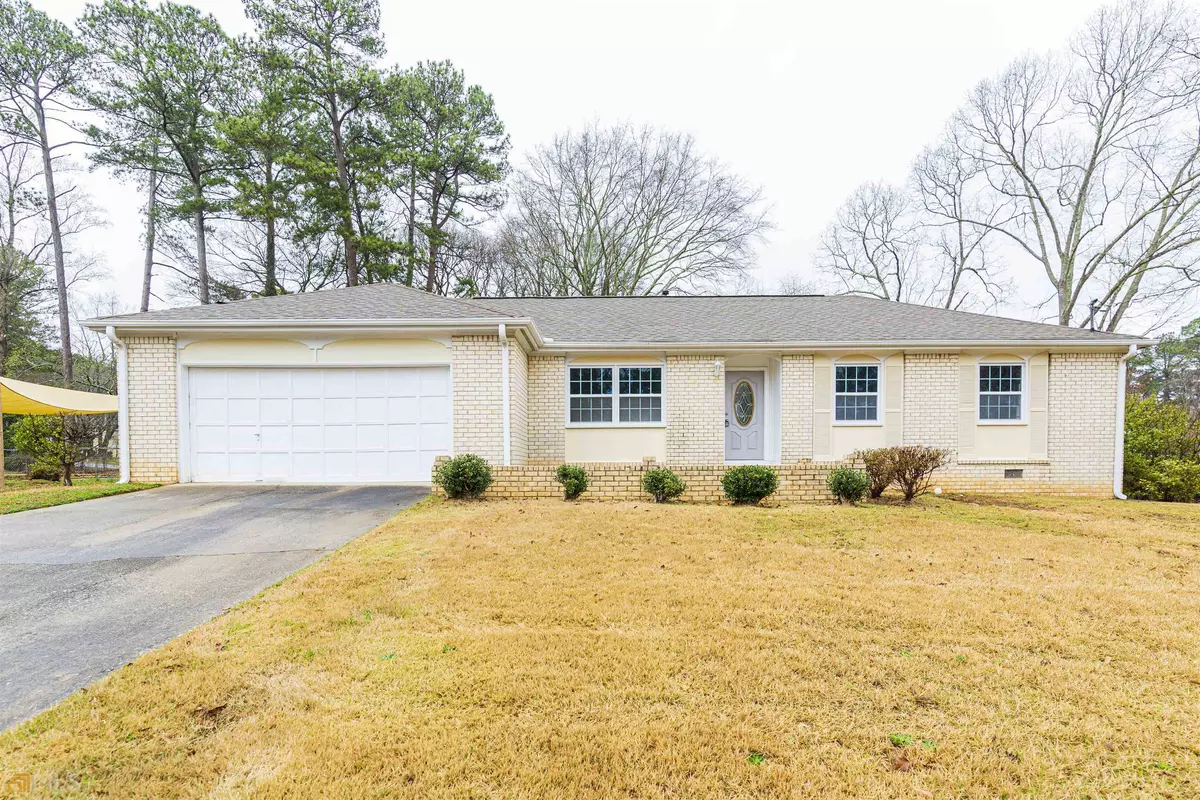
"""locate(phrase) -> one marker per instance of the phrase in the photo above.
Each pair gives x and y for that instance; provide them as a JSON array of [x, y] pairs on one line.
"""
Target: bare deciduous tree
[[1089, 163], [873, 247], [623, 211]]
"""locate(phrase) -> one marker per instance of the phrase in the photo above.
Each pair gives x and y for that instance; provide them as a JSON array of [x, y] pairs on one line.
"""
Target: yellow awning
[[19, 397]]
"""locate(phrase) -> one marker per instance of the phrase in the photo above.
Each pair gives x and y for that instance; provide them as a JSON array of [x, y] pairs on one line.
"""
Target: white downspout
[[1119, 454], [122, 401], [504, 394]]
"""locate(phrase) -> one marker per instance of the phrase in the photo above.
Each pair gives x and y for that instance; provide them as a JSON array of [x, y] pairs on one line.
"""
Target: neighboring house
[[372, 383]]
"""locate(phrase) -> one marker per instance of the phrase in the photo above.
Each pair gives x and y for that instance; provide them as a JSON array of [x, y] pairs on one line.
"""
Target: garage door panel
[[276, 438], [339, 437], [307, 411], [308, 437], [370, 410], [243, 383], [275, 410], [308, 466], [339, 409], [318, 424], [209, 384], [403, 383], [244, 466], [403, 437], [243, 438], [277, 466], [308, 383], [435, 437], [243, 411], [275, 383], [371, 383], [339, 383], [434, 409], [434, 382], [206, 411], [339, 466]]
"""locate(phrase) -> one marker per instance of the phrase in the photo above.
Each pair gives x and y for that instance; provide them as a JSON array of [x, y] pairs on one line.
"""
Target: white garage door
[[315, 425]]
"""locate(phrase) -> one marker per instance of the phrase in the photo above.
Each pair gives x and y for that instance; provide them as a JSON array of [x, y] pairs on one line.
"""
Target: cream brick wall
[[153, 418], [695, 398], [478, 398], [1082, 418], [547, 409], [796, 416], [518, 398], [930, 400]]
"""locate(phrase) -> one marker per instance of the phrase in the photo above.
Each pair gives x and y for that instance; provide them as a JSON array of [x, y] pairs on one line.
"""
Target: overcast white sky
[[808, 99]]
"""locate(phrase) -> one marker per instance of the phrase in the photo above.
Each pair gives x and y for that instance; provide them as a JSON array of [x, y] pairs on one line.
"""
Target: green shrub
[[465, 476], [881, 468], [574, 480], [749, 484], [662, 484], [913, 468], [1162, 452], [45, 471], [848, 484]]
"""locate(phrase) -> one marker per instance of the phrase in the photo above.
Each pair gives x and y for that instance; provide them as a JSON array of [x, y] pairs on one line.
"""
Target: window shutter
[[822, 413], [893, 389], [1038, 393], [968, 398]]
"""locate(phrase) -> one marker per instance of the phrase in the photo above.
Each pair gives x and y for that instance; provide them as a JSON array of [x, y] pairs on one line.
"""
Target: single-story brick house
[[373, 383]]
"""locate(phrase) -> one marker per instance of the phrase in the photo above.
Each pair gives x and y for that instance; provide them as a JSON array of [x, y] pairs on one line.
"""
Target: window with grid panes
[[856, 392]]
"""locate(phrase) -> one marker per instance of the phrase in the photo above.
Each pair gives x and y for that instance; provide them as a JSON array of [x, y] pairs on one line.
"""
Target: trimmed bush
[[574, 480], [662, 484], [42, 471], [881, 468], [463, 477], [848, 484], [749, 484], [914, 468]]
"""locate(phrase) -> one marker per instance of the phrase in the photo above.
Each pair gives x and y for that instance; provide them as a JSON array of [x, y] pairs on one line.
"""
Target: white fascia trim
[[466, 324], [939, 345], [122, 401]]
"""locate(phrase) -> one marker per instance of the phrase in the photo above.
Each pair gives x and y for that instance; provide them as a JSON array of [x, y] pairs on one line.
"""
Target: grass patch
[[21, 494], [548, 649]]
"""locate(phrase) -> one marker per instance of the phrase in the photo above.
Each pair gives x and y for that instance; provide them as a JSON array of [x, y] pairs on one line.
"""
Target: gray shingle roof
[[378, 301], [840, 319], [836, 318]]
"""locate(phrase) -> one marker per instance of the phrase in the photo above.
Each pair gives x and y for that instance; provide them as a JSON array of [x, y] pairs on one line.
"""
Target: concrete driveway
[[87, 587]]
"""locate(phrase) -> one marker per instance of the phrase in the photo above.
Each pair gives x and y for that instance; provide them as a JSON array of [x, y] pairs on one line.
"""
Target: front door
[[743, 416]]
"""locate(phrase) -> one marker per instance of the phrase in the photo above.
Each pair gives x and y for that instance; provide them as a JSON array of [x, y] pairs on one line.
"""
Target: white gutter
[[504, 395], [122, 401], [1119, 446]]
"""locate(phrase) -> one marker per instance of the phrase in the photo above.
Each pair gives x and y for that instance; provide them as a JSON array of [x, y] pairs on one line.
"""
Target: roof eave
[[932, 344], [466, 324]]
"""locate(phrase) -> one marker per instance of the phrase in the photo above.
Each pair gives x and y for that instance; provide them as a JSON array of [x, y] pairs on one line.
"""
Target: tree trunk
[[201, 247], [269, 279], [60, 269], [343, 176], [151, 231], [270, 265], [412, 224], [431, 278]]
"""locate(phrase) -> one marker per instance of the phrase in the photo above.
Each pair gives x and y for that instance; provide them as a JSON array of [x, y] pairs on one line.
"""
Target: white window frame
[[616, 395], [1023, 394], [857, 423]]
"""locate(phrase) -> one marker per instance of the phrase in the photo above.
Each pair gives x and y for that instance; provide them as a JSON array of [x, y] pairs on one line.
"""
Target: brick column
[[931, 400], [796, 415], [478, 397], [1083, 419], [153, 417], [547, 409], [695, 409]]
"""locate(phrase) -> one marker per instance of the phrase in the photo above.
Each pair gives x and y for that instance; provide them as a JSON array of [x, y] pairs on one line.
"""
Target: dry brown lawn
[[1037, 647]]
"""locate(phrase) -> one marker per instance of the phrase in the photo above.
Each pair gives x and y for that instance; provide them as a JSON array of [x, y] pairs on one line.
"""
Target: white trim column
[[505, 398]]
